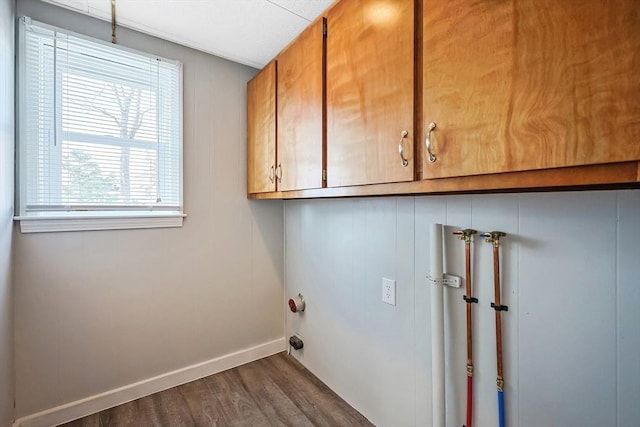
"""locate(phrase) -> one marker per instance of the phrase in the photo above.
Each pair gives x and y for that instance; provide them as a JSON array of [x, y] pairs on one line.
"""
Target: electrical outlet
[[389, 291]]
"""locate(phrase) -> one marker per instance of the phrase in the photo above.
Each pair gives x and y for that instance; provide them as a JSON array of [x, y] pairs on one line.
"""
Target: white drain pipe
[[437, 328]]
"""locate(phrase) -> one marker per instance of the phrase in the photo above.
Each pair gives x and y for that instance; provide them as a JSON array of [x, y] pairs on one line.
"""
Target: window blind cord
[[113, 21], [158, 126], [55, 89]]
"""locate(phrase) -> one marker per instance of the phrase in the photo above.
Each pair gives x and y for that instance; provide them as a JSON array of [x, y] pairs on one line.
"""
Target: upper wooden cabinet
[[370, 88], [525, 85], [524, 94], [261, 131], [300, 111]]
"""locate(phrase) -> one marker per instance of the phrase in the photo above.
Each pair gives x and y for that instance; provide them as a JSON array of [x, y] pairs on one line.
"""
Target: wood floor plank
[[274, 391], [199, 398], [272, 400], [235, 402], [321, 405], [172, 409]]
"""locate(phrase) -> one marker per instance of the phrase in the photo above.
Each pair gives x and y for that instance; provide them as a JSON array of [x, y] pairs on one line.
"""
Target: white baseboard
[[99, 402]]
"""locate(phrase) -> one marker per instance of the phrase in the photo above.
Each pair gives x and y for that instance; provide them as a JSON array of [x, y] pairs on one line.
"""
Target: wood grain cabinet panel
[[300, 111], [370, 87], [525, 85], [261, 131]]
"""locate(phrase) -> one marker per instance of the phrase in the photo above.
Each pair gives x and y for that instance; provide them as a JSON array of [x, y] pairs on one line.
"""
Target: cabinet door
[[261, 131], [370, 86], [532, 84], [300, 111]]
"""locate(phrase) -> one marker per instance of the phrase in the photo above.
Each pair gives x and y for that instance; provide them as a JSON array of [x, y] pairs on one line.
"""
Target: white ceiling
[[251, 32]]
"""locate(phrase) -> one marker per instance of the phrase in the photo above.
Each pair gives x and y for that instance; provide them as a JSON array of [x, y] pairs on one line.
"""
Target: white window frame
[[111, 218]]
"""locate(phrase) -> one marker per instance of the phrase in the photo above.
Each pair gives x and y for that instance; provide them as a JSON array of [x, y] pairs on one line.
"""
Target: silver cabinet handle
[[432, 158], [272, 173], [279, 172], [403, 135]]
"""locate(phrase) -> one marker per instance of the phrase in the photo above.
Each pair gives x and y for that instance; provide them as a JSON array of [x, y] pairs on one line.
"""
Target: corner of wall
[[7, 132]]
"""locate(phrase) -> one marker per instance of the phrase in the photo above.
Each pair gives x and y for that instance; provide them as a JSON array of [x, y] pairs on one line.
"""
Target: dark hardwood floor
[[275, 391]]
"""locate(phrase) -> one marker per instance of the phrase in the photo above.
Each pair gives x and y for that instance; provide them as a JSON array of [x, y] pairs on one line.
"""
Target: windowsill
[[87, 221]]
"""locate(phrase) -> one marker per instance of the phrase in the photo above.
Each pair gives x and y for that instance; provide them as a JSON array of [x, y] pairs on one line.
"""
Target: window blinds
[[100, 126]]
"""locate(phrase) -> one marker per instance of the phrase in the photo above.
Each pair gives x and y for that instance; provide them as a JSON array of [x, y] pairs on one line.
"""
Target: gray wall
[[104, 309], [7, 14], [571, 279]]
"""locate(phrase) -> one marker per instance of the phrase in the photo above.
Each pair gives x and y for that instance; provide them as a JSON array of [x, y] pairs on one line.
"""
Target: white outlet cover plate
[[388, 291]]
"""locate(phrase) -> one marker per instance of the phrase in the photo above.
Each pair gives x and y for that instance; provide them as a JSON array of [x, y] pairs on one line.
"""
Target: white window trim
[[88, 221], [61, 221]]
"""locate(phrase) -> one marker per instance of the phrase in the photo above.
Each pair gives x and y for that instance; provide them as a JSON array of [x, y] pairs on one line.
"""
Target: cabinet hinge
[[324, 174], [324, 28]]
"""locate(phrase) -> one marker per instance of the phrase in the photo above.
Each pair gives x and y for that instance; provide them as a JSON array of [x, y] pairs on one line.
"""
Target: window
[[100, 134]]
